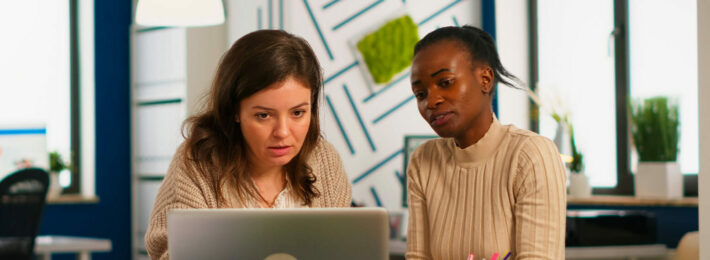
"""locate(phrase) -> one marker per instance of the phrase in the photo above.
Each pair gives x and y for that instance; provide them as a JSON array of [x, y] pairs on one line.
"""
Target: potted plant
[[579, 182], [56, 166], [655, 133]]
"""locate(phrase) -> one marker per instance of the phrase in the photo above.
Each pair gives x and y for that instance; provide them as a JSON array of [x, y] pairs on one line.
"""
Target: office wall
[[704, 124], [366, 127], [110, 218]]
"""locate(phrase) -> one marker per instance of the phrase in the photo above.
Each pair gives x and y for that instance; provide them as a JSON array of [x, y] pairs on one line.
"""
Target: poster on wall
[[22, 146]]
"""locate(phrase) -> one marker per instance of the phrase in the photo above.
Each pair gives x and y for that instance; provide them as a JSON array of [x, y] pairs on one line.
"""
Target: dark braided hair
[[479, 45]]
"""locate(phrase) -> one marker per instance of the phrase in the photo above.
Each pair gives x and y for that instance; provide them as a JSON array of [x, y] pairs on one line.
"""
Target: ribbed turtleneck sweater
[[505, 193]]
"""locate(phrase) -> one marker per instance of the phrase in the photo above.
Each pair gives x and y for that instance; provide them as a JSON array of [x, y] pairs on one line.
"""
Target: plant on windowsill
[[655, 133], [579, 182], [576, 166], [56, 166]]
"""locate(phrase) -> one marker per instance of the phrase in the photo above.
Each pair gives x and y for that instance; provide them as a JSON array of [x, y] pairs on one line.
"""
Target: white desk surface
[[399, 247], [68, 244]]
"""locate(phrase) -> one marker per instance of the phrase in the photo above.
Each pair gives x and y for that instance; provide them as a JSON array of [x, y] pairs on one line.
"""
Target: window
[[593, 56], [40, 88], [576, 75], [663, 61]]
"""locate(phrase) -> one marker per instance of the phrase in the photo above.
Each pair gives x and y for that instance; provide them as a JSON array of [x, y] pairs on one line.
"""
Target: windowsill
[[633, 201], [73, 199]]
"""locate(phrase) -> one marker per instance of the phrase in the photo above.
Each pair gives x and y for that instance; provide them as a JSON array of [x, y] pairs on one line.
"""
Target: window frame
[[75, 99], [624, 177], [82, 95]]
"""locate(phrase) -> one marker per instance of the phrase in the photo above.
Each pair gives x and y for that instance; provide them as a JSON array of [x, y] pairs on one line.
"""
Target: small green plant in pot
[[56, 166], [655, 133], [579, 182]]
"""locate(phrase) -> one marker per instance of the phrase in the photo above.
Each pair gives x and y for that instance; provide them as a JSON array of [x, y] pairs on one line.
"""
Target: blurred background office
[[104, 90]]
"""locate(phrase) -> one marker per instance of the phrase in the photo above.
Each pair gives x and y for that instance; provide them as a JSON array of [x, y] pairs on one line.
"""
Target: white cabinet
[[171, 71]]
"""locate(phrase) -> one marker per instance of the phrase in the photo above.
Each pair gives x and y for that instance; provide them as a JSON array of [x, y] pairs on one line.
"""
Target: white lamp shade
[[179, 12]]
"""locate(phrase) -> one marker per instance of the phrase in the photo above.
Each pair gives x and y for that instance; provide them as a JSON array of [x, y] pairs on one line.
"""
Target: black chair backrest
[[22, 200]]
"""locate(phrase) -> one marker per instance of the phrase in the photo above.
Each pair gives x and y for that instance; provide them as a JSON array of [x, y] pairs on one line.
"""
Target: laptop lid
[[272, 234]]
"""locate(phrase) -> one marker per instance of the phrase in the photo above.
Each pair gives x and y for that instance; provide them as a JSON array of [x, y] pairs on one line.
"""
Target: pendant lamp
[[179, 12]]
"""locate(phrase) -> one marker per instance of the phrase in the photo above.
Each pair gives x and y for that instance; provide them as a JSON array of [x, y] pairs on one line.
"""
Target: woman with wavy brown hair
[[257, 144]]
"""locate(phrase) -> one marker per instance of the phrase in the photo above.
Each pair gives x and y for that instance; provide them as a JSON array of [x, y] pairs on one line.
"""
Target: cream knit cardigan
[[185, 188]]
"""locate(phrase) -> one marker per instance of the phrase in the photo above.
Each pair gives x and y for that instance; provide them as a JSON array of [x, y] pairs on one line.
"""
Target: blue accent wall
[[111, 217], [488, 22], [488, 17]]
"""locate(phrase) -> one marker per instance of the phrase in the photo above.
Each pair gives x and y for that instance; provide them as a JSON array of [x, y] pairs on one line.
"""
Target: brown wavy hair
[[215, 144]]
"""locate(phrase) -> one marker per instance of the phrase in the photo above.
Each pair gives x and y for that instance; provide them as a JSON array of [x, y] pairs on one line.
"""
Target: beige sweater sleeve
[[540, 202], [179, 190], [418, 229]]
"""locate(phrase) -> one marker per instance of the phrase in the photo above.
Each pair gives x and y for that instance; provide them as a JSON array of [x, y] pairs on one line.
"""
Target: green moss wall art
[[388, 50]]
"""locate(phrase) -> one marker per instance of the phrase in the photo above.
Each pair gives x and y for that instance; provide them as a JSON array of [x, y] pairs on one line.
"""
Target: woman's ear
[[486, 80], [236, 118]]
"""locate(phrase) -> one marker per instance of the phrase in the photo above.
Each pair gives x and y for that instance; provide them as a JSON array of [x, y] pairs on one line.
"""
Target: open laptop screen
[[324, 233]]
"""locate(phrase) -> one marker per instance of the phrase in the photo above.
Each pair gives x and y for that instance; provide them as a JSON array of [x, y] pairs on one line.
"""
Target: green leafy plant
[[576, 165], [389, 50], [655, 129], [56, 164]]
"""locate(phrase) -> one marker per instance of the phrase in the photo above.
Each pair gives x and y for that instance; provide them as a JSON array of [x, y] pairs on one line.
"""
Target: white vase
[[562, 139], [659, 180], [54, 189], [579, 186]]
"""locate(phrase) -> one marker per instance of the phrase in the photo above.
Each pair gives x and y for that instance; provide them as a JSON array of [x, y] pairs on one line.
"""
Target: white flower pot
[[562, 139], [659, 180], [579, 186], [54, 189]]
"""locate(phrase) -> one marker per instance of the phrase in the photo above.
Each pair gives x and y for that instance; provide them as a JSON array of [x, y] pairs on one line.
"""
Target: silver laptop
[[278, 234]]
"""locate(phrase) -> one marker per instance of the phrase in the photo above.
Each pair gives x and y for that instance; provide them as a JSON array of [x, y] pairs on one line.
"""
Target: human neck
[[267, 173], [269, 181], [476, 130]]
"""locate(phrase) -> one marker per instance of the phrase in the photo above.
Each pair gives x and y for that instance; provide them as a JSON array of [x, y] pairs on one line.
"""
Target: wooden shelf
[[632, 201], [73, 199]]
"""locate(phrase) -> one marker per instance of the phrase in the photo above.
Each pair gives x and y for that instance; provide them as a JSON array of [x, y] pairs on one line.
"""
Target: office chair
[[22, 199]]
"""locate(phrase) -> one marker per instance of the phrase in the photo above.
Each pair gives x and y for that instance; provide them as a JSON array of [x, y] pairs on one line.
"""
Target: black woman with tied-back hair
[[482, 188]]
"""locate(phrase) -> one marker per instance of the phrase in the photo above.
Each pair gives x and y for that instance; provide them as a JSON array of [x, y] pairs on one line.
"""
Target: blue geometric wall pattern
[[366, 128]]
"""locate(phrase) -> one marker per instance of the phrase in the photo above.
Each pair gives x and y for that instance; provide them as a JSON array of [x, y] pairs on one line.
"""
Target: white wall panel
[[157, 136], [160, 55]]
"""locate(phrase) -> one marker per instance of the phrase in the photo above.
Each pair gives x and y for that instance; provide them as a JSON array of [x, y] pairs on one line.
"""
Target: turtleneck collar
[[482, 149]]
